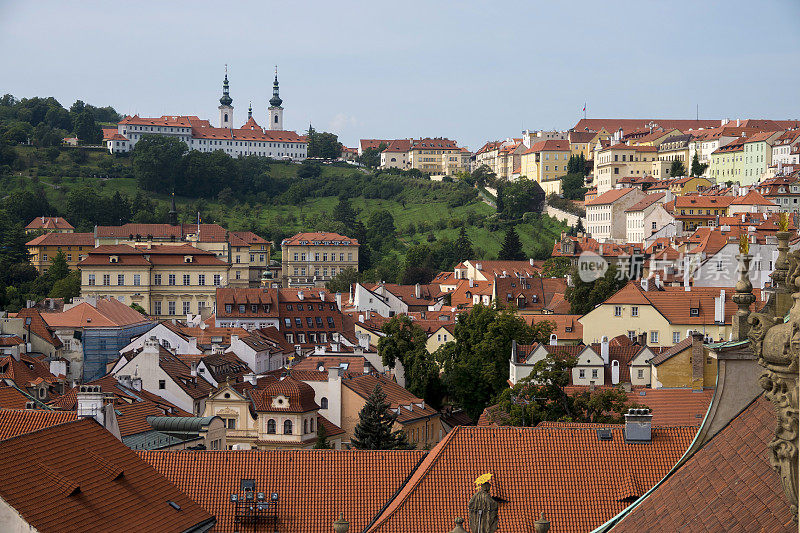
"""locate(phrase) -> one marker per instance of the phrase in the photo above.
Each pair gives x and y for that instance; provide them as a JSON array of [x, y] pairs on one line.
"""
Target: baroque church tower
[[275, 109], [226, 107]]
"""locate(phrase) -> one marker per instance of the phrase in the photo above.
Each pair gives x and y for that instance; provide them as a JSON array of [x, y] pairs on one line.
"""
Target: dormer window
[[694, 311], [113, 259], [187, 258]]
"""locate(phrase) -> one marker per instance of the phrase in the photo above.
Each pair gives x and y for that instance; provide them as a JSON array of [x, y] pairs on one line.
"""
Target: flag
[[584, 107]]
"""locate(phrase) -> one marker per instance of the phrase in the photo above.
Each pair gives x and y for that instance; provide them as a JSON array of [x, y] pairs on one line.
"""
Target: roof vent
[[638, 425], [604, 434]]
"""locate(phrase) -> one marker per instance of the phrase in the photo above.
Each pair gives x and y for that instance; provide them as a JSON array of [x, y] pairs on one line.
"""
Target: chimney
[[136, 383], [642, 339], [513, 351], [250, 378], [719, 307], [553, 339], [333, 373], [194, 369], [300, 295], [417, 291], [604, 349], [530, 261], [361, 318], [339, 300], [341, 525], [638, 425], [321, 296], [698, 358], [90, 403]]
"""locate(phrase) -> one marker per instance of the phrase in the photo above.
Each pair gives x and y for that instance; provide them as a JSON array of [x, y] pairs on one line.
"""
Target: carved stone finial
[[341, 525], [459, 526], [542, 525], [777, 344], [744, 244], [743, 298], [783, 293]]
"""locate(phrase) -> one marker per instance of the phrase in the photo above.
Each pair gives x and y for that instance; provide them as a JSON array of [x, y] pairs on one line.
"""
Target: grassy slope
[[236, 217]]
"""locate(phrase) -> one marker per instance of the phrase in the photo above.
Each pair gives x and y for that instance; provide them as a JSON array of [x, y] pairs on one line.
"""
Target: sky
[[470, 71]]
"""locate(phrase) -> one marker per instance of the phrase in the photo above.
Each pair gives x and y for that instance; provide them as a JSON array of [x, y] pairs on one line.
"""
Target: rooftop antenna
[[697, 116]]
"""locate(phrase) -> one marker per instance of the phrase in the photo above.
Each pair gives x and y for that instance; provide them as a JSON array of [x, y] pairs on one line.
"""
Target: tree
[[698, 169], [464, 245], [138, 308], [541, 396], [484, 176], [59, 269], [515, 198], [572, 186], [405, 341], [677, 169], [342, 281], [556, 267], [44, 136], [584, 296], [322, 437], [371, 157], [476, 364], [157, 162], [344, 213], [375, 421], [577, 165], [87, 130], [68, 287], [511, 250]]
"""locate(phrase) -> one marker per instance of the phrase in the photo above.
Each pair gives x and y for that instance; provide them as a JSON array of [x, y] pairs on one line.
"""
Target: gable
[[589, 357]]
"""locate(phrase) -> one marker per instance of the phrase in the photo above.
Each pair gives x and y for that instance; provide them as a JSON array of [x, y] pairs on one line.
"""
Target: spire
[[250, 111], [226, 97], [275, 101]]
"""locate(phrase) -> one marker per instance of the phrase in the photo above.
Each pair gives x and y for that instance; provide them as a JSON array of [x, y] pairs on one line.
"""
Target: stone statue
[[776, 342], [483, 508]]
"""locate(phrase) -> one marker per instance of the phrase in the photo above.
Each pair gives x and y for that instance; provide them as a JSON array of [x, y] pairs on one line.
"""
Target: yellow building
[[440, 337], [426, 155], [311, 259], [727, 162], [656, 137], [167, 281], [688, 364], [546, 162], [581, 142], [621, 160], [45, 247], [50, 225], [664, 314], [282, 415]]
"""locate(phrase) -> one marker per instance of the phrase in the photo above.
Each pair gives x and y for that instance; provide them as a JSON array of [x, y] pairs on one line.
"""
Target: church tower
[[225, 108], [275, 109]]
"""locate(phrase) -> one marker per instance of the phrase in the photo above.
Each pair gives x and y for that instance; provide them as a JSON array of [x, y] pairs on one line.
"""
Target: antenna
[[226, 69], [698, 112]]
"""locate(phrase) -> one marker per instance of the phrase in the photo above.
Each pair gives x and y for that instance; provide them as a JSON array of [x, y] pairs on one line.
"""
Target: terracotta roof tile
[[49, 223], [609, 197], [63, 239], [14, 422], [313, 486], [299, 397], [322, 238], [79, 490]]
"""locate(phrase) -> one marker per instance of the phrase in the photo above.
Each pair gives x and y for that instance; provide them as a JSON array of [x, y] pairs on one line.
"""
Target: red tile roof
[[645, 202], [437, 143], [566, 472], [108, 313], [49, 223], [77, 474], [319, 238], [407, 406], [727, 485], [313, 486], [562, 323], [609, 197], [299, 397], [753, 197], [14, 422], [63, 239], [626, 124], [26, 371]]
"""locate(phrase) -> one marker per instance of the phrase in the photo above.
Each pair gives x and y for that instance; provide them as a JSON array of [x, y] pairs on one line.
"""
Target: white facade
[[167, 338], [259, 361], [607, 221]]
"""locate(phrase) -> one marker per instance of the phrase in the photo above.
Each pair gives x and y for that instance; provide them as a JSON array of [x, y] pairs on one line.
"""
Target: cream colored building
[[311, 259], [636, 214], [546, 163], [426, 154], [605, 215], [167, 281], [75, 246], [396, 154], [622, 160]]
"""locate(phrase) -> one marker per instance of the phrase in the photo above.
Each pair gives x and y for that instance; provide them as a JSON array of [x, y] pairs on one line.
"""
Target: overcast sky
[[471, 71]]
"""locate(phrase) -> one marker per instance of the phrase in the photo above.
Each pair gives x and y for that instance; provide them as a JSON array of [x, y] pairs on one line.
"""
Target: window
[[617, 310], [137, 279], [287, 322], [162, 384], [694, 311], [91, 279], [157, 308], [186, 309], [298, 322], [676, 337], [640, 373], [186, 279], [582, 373], [271, 426], [171, 308], [120, 279], [171, 279], [231, 423], [594, 373], [632, 335], [287, 427], [634, 311], [323, 402], [201, 279], [217, 280], [157, 279], [106, 279], [653, 337]]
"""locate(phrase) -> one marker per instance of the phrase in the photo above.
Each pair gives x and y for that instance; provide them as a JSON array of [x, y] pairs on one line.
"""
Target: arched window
[[323, 402], [287, 427], [276, 119], [312, 425], [271, 426], [305, 426], [226, 117]]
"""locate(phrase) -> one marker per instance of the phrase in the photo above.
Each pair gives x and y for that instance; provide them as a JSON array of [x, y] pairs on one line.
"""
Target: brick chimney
[[698, 360]]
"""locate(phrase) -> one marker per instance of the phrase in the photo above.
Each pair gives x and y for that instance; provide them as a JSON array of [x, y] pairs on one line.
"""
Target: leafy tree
[[323, 144], [464, 245], [483, 176], [44, 136], [511, 249], [577, 165], [585, 296], [698, 168], [375, 421], [157, 162], [516, 198], [556, 267], [405, 342], [476, 364], [677, 168], [58, 269], [342, 281], [371, 157], [86, 129], [572, 185], [542, 397], [138, 308], [322, 437], [309, 169], [67, 287]]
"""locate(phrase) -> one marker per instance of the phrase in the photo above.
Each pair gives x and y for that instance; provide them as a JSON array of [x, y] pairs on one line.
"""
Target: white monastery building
[[198, 134]]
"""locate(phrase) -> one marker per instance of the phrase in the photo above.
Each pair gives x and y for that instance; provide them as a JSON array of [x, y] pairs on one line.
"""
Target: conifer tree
[[374, 428], [322, 437], [464, 245], [512, 247], [58, 267]]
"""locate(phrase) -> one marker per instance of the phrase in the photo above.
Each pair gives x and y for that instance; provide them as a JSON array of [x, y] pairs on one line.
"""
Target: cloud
[[342, 121]]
